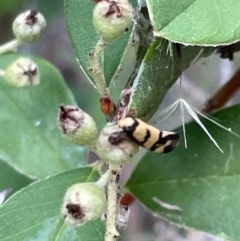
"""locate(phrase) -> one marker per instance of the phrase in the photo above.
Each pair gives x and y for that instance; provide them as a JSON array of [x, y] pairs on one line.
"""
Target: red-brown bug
[[107, 106]]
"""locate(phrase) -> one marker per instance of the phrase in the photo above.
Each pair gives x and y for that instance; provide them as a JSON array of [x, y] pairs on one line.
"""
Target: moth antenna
[[215, 122], [170, 48], [166, 110], [180, 54], [197, 57], [183, 123], [196, 118]]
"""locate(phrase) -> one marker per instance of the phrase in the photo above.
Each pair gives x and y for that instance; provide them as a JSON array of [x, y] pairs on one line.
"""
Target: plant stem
[[104, 179], [112, 193], [95, 68], [224, 94], [10, 46]]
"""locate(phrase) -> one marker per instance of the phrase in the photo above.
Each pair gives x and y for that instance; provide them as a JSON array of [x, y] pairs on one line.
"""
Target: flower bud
[[22, 72], [28, 26], [112, 18], [77, 126], [113, 145], [83, 202]]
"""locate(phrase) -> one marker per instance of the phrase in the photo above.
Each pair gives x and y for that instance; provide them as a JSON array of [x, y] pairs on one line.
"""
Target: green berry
[[114, 147], [28, 26], [22, 72], [112, 18], [83, 202], [77, 126]]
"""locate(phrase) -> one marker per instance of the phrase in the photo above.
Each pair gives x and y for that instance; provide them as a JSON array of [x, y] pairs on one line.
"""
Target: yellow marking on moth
[[149, 136]]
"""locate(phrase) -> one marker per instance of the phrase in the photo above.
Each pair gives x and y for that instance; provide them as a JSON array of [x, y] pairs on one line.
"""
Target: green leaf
[[200, 180], [34, 212], [196, 22], [133, 55], [10, 6], [157, 73], [79, 14], [30, 139], [9, 178]]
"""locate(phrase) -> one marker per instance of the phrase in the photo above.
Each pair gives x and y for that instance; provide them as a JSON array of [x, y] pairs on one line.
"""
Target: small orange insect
[[107, 106]]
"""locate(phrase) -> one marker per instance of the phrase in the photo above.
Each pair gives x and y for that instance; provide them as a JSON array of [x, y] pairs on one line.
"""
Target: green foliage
[[9, 178], [158, 71], [196, 22], [30, 140], [201, 180], [8, 6], [84, 37], [34, 212]]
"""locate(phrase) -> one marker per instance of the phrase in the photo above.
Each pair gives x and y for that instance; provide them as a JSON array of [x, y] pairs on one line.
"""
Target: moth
[[146, 135]]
